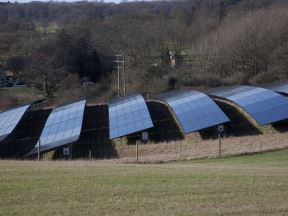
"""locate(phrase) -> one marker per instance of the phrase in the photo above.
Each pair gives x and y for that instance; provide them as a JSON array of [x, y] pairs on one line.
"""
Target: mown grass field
[[242, 185]]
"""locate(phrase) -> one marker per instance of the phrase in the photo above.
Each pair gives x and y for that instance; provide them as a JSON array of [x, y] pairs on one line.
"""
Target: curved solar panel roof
[[128, 115], [194, 110], [281, 87], [62, 127], [9, 120], [263, 105]]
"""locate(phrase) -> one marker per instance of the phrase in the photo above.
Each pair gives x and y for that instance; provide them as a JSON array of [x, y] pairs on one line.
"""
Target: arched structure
[[280, 87], [62, 127], [263, 105], [127, 115], [9, 120], [194, 110]]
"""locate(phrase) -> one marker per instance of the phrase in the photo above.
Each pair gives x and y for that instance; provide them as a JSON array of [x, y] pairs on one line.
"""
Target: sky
[[24, 1]]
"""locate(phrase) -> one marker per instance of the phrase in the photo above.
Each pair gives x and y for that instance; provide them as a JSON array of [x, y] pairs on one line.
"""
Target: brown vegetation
[[195, 149], [216, 42]]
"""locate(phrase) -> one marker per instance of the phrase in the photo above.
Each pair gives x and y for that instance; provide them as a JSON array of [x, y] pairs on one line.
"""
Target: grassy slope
[[195, 149], [245, 185], [19, 91], [10, 97]]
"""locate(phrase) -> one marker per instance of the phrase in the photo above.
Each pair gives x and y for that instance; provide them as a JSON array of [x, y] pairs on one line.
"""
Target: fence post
[[219, 139], [137, 151], [180, 151], [39, 146]]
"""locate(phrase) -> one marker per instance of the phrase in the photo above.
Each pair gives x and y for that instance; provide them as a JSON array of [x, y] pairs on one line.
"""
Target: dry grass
[[10, 97], [191, 149], [243, 185]]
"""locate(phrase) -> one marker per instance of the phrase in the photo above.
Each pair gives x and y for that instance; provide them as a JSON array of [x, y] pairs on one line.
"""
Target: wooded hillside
[[55, 46]]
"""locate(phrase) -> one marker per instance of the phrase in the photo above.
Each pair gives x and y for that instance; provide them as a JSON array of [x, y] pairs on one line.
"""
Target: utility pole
[[124, 77], [121, 66], [118, 74]]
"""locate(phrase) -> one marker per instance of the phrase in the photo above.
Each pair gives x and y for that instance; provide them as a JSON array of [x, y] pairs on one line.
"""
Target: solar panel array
[[281, 87], [263, 105], [194, 110], [62, 127], [128, 115], [9, 120]]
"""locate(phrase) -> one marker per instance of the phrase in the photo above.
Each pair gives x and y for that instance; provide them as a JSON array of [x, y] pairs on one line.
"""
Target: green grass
[[242, 185], [21, 89], [278, 158], [52, 28], [18, 95]]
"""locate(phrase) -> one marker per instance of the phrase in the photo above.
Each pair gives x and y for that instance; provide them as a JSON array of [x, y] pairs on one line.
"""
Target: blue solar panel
[[9, 120], [194, 110], [62, 127], [281, 87], [263, 105], [128, 115]]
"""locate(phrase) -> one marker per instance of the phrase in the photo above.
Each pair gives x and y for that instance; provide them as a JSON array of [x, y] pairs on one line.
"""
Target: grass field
[[10, 97], [241, 185], [19, 91]]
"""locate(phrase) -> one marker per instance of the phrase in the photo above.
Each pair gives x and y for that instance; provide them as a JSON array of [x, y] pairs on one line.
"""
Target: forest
[[56, 47]]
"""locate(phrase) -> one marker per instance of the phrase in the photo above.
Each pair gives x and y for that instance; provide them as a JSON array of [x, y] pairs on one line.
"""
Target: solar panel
[[194, 110], [281, 87], [62, 127], [263, 105], [9, 120], [128, 115]]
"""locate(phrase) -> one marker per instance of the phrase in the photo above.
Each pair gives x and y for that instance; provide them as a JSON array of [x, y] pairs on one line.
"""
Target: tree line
[[56, 46]]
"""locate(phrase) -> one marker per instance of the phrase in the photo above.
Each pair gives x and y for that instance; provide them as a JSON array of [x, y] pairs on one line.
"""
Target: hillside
[[20, 95], [166, 45], [76, 151]]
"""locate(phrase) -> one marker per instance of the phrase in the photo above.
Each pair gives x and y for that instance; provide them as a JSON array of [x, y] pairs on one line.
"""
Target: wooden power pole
[[121, 68]]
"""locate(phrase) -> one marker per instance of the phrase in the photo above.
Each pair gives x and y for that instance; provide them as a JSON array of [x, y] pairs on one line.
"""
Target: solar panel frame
[[128, 115], [62, 127], [9, 120], [263, 105], [194, 110]]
